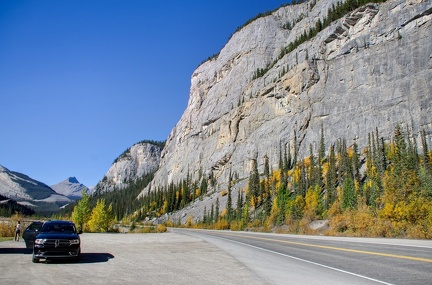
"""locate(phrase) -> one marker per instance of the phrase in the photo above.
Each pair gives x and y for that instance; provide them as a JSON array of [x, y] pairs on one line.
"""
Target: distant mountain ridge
[[139, 160], [70, 188], [37, 195]]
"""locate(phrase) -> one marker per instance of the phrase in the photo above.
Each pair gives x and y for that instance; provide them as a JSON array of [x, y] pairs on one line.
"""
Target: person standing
[[17, 231]]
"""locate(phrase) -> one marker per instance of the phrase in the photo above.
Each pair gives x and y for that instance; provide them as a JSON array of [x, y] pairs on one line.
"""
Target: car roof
[[59, 222]]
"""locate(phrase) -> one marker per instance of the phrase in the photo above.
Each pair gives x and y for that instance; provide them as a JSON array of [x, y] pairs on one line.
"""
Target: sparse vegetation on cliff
[[160, 144], [334, 13]]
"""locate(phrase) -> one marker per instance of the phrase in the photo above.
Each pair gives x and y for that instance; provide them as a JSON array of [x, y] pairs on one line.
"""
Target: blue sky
[[81, 81]]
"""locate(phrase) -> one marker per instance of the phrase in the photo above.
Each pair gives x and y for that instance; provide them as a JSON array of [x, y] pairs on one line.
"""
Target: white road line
[[307, 261]]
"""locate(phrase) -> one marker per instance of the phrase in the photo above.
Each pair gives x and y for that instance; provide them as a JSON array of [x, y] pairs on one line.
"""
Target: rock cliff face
[[137, 161], [371, 68]]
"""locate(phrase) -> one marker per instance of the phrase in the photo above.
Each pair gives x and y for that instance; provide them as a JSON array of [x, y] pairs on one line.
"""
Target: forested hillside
[[8, 207], [382, 190]]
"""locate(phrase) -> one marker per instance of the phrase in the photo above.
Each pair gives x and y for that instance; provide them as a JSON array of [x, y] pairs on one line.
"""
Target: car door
[[31, 232]]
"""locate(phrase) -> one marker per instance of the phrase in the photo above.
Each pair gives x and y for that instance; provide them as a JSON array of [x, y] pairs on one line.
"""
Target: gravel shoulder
[[167, 258]]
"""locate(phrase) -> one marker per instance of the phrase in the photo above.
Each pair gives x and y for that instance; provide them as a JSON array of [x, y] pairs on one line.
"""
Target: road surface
[[292, 259], [190, 257]]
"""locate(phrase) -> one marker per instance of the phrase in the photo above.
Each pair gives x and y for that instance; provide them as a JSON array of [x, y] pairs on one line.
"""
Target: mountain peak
[[72, 180], [71, 188]]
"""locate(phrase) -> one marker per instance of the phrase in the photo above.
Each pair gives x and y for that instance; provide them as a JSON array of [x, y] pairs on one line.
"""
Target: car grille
[[57, 242]]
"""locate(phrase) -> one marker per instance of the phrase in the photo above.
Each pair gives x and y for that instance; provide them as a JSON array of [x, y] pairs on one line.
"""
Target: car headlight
[[40, 241], [74, 241]]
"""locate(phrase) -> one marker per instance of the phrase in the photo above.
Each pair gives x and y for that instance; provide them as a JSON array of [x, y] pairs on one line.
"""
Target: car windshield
[[58, 228], [35, 226]]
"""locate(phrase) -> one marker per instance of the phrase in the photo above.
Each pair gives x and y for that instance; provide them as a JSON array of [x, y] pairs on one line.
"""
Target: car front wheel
[[35, 260]]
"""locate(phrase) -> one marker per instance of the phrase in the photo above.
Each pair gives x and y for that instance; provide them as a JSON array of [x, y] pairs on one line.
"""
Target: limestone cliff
[[371, 68], [140, 159]]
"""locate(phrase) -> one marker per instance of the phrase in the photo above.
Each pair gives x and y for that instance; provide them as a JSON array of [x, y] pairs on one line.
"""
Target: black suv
[[57, 240]]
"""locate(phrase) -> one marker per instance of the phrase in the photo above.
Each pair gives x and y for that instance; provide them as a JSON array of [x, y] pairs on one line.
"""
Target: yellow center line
[[335, 248]]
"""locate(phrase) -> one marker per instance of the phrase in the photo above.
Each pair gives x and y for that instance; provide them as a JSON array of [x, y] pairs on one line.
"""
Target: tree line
[[9, 207], [383, 190], [99, 211], [175, 196], [386, 190]]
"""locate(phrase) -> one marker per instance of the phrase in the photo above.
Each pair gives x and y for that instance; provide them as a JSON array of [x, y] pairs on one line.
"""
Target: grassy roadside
[[5, 239]]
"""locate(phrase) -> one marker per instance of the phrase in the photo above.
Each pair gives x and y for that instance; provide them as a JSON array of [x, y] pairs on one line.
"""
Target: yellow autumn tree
[[101, 217], [275, 178], [81, 212], [164, 207], [312, 203], [271, 219]]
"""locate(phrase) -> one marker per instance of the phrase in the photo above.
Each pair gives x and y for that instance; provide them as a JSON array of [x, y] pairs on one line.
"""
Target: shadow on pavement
[[13, 250], [85, 258], [95, 257]]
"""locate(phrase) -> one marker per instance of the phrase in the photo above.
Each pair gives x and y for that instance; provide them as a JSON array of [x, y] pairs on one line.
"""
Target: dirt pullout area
[[166, 258]]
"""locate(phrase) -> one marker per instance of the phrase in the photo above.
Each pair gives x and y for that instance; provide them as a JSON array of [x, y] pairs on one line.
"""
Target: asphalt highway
[[292, 259]]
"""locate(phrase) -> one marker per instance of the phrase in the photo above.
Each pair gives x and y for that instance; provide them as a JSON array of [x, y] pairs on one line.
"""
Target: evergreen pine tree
[[204, 220], [303, 180], [266, 167], [321, 152], [413, 156], [254, 184], [289, 163], [229, 202], [400, 153], [331, 179], [314, 173], [217, 210], [426, 159], [282, 198], [203, 186], [349, 198], [356, 162], [239, 205], [294, 161], [281, 163]]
